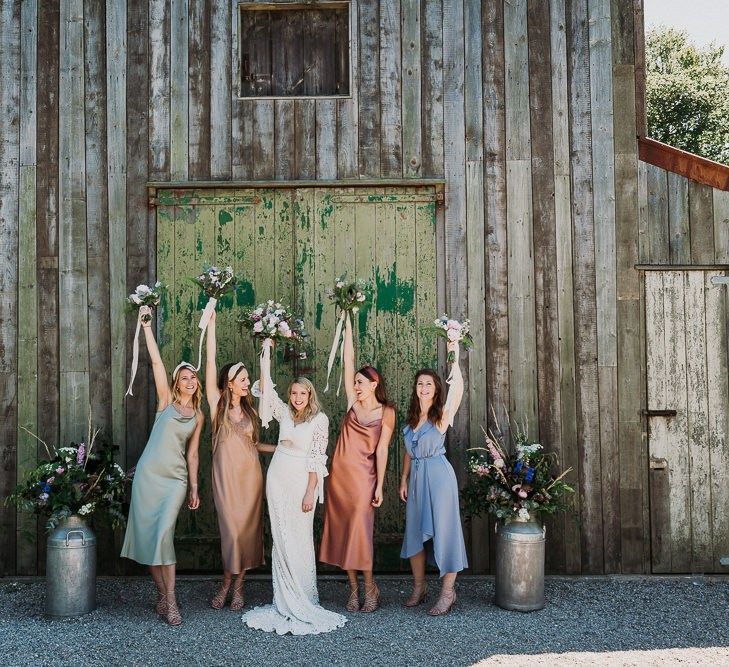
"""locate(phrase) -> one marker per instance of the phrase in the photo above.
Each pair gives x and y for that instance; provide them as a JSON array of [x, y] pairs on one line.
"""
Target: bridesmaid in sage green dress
[[166, 471]]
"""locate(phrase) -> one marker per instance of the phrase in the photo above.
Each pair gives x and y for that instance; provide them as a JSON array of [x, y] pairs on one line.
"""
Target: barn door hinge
[[720, 280], [658, 413], [658, 464]]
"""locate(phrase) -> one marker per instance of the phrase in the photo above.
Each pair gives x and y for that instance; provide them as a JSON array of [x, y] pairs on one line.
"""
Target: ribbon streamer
[[135, 356], [204, 319], [333, 352], [265, 404]]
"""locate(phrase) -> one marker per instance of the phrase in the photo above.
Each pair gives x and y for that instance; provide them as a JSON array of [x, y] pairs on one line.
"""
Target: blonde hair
[[312, 408], [177, 394]]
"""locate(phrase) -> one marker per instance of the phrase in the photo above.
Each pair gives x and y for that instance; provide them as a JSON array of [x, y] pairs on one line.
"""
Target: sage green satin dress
[[158, 490]]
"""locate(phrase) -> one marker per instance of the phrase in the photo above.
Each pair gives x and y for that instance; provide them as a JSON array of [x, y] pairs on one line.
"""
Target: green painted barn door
[[291, 245]]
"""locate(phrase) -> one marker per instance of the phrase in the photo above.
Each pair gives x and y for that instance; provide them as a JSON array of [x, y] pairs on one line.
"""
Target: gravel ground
[[587, 621]]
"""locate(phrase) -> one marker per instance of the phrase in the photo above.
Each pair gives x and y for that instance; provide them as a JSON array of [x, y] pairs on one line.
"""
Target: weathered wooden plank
[[245, 265], [390, 91], [73, 311], [305, 139], [140, 414], [545, 260], [721, 226], [365, 329], [659, 445], [263, 140], [326, 139], [455, 223], [319, 67], [679, 481], [497, 327], [564, 271], [284, 139], [410, 31], [701, 217], [699, 455], [369, 82], [643, 227], [159, 90], [240, 131], [718, 405], [116, 142], [347, 109], [588, 423], [255, 55], [432, 87], [658, 245], [179, 98], [287, 58], [678, 220], [221, 88], [199, 81], [97, 228]]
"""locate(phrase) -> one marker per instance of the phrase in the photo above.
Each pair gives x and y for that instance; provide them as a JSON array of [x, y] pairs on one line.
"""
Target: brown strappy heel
[[218, 602], [173, 616], [444, 604], [371, 599], [417, 597], [238, 601], [353, 601]]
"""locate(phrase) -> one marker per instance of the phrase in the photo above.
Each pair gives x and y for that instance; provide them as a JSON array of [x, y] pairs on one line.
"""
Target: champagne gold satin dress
[[238, 495], [349, 516]]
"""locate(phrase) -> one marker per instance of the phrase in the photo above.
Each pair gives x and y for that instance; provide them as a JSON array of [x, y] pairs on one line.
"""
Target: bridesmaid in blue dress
[[429, 487]]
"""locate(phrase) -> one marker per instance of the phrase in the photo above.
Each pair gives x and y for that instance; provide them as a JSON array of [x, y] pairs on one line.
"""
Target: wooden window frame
[[286, 5], [675, 160]]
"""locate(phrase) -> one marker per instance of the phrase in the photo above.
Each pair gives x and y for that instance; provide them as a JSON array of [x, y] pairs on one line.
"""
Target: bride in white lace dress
[[294, 481]]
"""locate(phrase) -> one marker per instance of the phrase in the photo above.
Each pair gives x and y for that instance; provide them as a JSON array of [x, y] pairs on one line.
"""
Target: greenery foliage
[[687, 94]]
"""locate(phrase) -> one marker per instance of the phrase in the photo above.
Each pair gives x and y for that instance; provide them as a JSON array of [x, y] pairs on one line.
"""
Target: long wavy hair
[[312, 407], [435, 411], [177, 394], [373, 375], [222, 422]]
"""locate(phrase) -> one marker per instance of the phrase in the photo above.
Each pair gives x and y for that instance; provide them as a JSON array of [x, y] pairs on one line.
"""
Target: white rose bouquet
[[273, 321], [148, 296]]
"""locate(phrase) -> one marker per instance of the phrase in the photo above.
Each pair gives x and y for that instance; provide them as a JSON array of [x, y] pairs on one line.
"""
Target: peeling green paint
[[394, 295], [267, 203], [224, 217], [245, 295], [319, 313]]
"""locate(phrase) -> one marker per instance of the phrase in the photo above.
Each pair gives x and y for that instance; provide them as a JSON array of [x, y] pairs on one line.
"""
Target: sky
[[705, 21]]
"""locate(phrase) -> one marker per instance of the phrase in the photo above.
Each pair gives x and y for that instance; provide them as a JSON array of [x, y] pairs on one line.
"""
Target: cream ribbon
[[333, 352], [265, 404], [135, 355], [204, 319], [451, 395]]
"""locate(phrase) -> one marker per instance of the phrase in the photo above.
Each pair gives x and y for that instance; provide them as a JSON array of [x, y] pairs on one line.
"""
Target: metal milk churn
[[520, 565], [71, 569]]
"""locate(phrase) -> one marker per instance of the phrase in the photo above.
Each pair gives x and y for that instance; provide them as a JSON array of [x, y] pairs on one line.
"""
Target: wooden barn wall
[[525, 107]]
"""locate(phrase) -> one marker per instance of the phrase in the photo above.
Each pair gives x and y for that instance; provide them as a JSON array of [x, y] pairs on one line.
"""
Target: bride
[[294, 481]]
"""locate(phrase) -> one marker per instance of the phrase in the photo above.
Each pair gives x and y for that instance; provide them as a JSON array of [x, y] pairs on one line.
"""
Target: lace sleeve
[[317, 461]]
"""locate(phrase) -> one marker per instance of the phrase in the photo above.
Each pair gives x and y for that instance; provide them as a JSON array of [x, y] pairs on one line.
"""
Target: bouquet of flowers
[[215, 284], [274, 321], [514, 486], [78, 479], [453, 330], [350, 297], [148, 296]]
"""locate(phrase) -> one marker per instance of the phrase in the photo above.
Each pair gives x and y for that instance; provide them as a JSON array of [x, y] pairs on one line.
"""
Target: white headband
[[180, 366], [234, 369]]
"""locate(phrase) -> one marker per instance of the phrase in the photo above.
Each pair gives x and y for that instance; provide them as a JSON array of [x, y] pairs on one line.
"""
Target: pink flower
[[453, 334], [499, 463], [522, 493], [60, 471], [258, 327], [50, 480], [454, 324]]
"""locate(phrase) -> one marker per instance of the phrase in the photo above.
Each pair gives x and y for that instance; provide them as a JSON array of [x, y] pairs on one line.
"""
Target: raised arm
[[158, 366], [455, 391], [193, 463], [212, 393], [270, 406], [383, 446], [349, 361]]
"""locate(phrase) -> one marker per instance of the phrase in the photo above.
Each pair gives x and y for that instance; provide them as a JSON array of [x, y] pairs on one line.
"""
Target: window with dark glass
[[294, 50]]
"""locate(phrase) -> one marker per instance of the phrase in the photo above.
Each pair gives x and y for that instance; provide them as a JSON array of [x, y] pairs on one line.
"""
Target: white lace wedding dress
[[301, 449]]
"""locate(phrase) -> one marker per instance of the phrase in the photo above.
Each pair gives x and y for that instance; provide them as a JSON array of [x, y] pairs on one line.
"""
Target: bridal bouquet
[[215, 284], [349, 298], [453, 330], [81, 478], [148, 296], [514, 486], [272, 320]]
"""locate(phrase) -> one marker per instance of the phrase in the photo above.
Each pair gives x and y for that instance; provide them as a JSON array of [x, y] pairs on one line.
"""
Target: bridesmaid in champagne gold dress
[[357, 477], [166, 470], [237, 475]]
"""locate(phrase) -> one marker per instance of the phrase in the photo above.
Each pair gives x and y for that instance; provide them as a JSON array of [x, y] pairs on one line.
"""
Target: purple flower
[[43, 497], [50, 480], [60, 470], [81, 454]]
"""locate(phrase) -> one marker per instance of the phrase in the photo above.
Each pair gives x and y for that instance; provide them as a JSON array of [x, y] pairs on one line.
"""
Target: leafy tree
[[687, 94]]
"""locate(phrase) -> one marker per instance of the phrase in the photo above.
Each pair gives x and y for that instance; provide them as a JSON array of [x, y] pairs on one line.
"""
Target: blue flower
[[46, 488], [529, 474], [519, 465]]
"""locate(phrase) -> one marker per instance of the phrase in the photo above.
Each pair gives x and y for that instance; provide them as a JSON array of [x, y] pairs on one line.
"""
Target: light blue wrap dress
[[432, 515]]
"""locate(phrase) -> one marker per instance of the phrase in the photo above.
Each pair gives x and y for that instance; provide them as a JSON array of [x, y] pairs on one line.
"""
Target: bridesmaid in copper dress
[[237, 476], [356, 478]]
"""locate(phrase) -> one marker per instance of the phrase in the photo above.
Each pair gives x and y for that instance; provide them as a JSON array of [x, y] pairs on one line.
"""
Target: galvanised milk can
[[520, 565]]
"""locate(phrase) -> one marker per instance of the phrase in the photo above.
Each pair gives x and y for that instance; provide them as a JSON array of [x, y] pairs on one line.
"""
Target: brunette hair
[[176, 394], [372, 374], [222, 418], [435, 411]]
